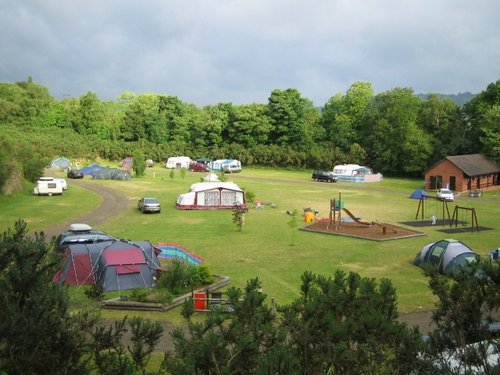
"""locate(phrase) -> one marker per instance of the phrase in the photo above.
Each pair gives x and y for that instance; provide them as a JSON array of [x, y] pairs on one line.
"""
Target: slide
[[351, 215], [173, 251]]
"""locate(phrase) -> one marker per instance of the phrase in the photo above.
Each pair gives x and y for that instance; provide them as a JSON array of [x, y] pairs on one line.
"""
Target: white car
[[445, 194]]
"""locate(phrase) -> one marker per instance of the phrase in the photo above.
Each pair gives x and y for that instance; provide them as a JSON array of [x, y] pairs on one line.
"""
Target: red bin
[[200, 302]]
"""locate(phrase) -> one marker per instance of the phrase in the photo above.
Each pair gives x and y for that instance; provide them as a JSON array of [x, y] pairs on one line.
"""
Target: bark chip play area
[[374, 231]]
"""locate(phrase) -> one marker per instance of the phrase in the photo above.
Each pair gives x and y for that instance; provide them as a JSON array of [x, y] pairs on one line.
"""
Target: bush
[[180, 277], [139, 295], [33, 169], [95, 292]]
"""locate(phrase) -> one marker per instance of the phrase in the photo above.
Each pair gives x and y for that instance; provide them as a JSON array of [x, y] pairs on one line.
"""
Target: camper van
[[48, 186]]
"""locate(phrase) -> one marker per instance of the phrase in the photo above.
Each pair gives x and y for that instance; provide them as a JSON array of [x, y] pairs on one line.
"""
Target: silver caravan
[[48, 186]]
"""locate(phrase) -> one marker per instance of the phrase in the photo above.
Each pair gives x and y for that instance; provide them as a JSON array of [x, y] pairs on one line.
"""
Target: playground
[[343, 222], [373, 232], [463, 219]]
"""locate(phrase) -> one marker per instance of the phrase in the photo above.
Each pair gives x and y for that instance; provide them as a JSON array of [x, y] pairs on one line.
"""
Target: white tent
[[211, 196]]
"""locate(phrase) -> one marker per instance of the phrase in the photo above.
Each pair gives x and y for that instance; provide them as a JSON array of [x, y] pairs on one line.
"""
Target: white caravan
[[48, 186]]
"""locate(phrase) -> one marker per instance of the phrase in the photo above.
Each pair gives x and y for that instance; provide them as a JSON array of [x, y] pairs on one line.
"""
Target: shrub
[[139, 295], [180, 277], [33, 169], [95, 292]]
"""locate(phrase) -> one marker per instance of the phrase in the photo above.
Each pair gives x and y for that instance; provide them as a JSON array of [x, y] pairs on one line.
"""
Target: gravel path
[[113, 203]]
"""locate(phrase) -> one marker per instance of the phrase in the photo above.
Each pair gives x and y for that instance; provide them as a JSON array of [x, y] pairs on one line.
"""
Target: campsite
[[268, 247]]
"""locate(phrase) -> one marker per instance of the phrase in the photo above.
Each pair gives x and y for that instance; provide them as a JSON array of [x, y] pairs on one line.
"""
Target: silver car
[[149, 205]]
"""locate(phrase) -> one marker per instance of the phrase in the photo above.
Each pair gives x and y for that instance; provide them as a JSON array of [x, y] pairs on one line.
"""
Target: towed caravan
[[226, 165], [212, 196], [48, 186], [178, 162]]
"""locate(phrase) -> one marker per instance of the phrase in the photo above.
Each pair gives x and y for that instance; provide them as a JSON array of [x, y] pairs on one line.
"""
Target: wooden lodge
[[462, 173]]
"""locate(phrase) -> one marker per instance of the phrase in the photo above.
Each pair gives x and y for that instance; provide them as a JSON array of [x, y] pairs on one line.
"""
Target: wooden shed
[[463, 173]]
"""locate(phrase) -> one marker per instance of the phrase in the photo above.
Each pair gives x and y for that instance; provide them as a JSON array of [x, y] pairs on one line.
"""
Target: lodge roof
[[472, 165]]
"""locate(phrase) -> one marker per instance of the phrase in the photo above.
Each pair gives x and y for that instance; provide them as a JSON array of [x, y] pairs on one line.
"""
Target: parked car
[[198, 167], [75, 173], [81, 234], [149, 205], [445, 194], [326, 176]]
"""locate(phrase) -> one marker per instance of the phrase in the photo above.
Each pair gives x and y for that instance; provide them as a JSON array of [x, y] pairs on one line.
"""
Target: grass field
[[268, 247]]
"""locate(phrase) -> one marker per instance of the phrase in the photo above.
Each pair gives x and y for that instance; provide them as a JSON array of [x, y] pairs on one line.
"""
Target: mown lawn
[[268, 247]]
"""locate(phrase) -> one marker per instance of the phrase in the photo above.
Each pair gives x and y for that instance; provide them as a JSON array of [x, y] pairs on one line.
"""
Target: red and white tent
[[212, 195]]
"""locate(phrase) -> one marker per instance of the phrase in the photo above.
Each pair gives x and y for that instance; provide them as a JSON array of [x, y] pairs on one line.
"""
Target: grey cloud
[[210, 51]]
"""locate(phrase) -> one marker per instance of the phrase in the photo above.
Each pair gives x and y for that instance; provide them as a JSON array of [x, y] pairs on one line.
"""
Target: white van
[[48, 186]]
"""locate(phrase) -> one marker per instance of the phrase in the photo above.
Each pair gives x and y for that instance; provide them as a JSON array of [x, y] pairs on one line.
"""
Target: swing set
[[444, 205], [454, 218]]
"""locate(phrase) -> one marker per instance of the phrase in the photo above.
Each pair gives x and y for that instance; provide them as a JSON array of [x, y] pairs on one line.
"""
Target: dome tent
[[417, 194], [448, 255], [112, 174], [61, 163], [91, 169]]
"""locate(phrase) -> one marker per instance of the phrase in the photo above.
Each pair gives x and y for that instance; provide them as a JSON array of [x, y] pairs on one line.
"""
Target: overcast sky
[[213, 51]]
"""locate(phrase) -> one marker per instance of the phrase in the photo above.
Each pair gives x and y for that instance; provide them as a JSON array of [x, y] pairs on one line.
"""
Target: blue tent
[[417, 194], [91, 169]]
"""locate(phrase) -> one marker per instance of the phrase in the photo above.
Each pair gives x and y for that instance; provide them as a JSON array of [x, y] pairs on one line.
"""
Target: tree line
[[395, 132]]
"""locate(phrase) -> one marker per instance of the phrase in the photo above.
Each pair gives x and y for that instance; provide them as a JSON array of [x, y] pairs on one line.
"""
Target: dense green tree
[[342, 114], [139, 165], [250, 125], [464, 311], [344, 325], [89, 114], [347, 325], [211, 134], [24, 103], [38, 334], [11, 97], [441, 120], [294, 119], [33, 168], [390, 135], [491, 133], [246, 341], [178, 118], [142, 120], [474, 113]]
